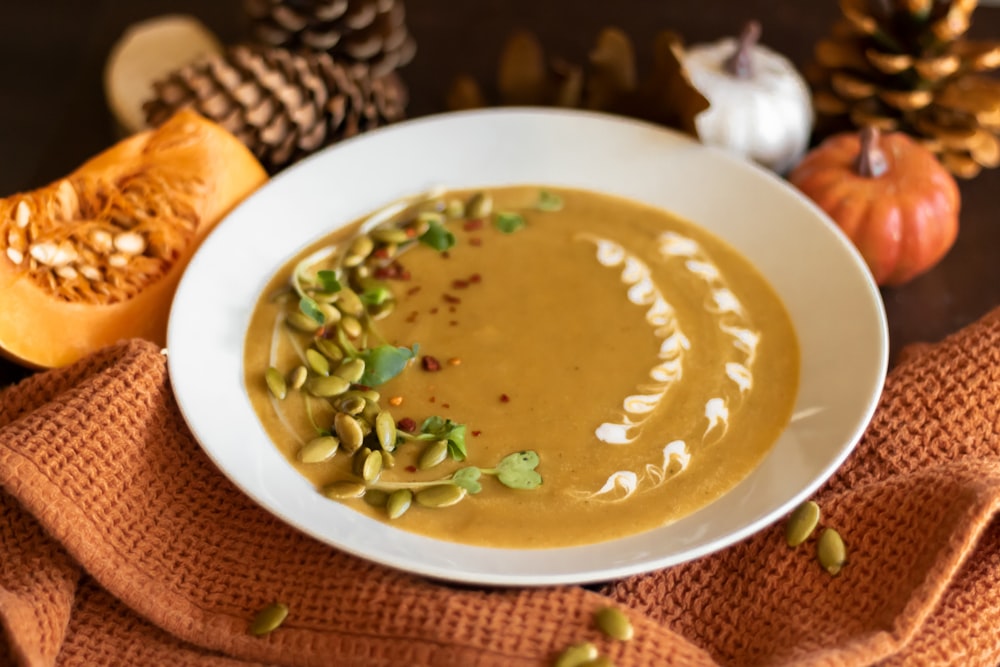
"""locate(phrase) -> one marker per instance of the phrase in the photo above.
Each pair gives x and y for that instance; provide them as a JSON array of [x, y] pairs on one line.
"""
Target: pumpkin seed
[[269, 619], [479, 205], [427, 218], [376, 497], [370, 412], [352, 326], [352, 405], [831, 552], [358, 462], [362, 245], [276, 383], [317, 362], [380, 311], [434, 454], [372, 467], [440, 495], [319, 449], [385, 429], [329, 349], [390, 235], [388, 460], [330, 313], [348, 430], [577, 655], [399, 501], [455, 209], [350, 303], [351, 370], [614, 623], [297, 377], [301, 322], [344, 489], [325, 387], [802, 523]]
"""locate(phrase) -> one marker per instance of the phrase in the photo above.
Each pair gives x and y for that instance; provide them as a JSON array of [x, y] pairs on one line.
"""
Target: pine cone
[[367, 31], [904, 65], [282, 105]]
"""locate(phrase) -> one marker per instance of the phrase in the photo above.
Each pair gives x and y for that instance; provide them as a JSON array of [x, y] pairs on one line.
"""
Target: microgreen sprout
[[549, 201], [438, 237], [311, 309], [515, 471], [508, 222], [384, 362], [439, 428]]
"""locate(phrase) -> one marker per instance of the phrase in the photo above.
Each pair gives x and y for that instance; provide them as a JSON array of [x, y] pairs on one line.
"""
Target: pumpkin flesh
[[96, 256]]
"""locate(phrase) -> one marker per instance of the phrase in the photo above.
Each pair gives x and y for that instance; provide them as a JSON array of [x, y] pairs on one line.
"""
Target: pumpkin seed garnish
[[385, 429], [276, 383], [269, 619], [348, 430], [399, 501], [302, 322], [297, 377], [376, 497], [329, 349], [479, 205], [319, 449], [440, 495], [351, 326], [351, 370], [831, 551], [372, 467], [434, 454], [614, 623], [352, 405], [325, 387], [344, 489], [577, 655], [802, 523], [317, 362]]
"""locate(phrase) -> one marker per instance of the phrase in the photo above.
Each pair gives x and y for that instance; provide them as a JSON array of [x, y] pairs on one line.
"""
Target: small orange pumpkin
[[889, 194], [96, 256]]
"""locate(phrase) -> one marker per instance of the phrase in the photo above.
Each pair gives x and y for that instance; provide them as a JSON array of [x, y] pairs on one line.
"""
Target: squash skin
[[38, 329], [903, 221]]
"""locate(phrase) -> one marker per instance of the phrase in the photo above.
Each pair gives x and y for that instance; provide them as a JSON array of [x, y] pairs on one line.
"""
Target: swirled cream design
[[725, 309]]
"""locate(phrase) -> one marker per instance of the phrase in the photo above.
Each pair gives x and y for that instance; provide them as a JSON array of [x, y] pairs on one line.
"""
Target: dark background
[[53, 115]]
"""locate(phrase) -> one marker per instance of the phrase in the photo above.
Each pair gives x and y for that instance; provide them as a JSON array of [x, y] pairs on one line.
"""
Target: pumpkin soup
[[522, 367]]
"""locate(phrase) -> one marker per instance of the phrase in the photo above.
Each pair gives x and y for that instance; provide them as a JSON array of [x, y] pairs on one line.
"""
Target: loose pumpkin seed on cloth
[[121, 543]]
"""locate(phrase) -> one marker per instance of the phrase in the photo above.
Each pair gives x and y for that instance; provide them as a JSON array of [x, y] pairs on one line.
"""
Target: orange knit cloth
[[121, 544]]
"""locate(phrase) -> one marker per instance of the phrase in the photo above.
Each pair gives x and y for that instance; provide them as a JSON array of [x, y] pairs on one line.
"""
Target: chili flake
[[407, 424], [429, 363], [475, 241], [454, 361], [472, 224], [476, 434], [395, 401], [451, 299], [504, 398]]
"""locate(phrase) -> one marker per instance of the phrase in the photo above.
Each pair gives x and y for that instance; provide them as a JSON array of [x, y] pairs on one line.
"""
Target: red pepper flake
[[432, 399], [407, 424], [411, 232], [459, 284], [472, 224], [475, 278], [451, 309], [445, 254], [413, 290], [429, 363], [404, 274], [412, 317], [475, 241], [453, 323], [504, 398], [446, 405], [396, 401], [381, 253], [434, 310], [450, 298], [454, 361], [411, 468], [476, 434]]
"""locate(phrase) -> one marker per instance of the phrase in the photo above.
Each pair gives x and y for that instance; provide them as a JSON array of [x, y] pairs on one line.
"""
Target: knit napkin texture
[[122, 544]]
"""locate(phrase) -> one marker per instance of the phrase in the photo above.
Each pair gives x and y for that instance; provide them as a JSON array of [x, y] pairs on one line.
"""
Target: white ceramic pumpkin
[[760, 108]]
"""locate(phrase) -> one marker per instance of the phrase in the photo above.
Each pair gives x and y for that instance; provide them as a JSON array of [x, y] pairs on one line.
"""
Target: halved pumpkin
[[95, 257]]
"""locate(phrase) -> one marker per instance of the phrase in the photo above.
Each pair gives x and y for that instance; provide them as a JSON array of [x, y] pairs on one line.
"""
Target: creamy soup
[[644, 365]]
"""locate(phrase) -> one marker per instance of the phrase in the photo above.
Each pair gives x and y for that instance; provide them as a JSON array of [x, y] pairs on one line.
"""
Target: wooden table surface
[[53, 114]]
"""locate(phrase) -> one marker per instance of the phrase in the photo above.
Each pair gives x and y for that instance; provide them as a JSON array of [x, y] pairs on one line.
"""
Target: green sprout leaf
[[549, 201], [375, 295], [468, 479], [517, 470], [439, 428], [328, 281], [383, 363], [509, 222], [311, 309], [438, 237]]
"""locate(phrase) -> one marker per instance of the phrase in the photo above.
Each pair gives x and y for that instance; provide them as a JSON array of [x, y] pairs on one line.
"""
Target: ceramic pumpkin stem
[[871, 161], [740, 64]]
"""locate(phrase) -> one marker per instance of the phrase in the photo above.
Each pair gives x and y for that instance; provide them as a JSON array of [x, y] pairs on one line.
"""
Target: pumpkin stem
[[871, 161], [740, 64]]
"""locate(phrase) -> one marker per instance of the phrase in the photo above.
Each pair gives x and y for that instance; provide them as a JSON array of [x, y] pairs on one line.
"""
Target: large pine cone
[[282, 105], [905, 65], [367, 31]]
